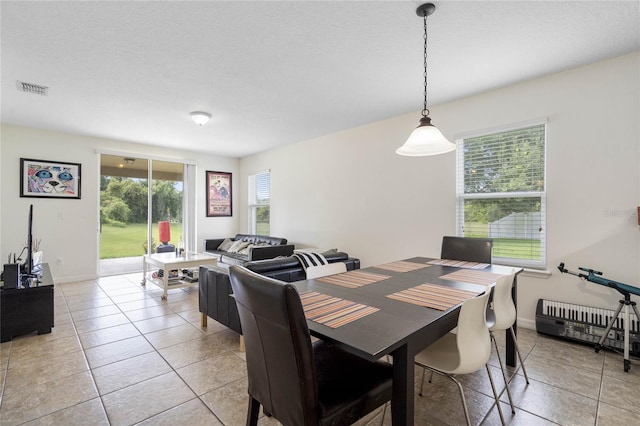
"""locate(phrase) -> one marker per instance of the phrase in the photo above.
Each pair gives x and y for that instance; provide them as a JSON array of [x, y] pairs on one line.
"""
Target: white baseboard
[[526, 323]]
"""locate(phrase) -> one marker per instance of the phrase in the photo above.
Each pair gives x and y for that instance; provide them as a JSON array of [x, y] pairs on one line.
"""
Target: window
[[259, 198], [501, 193]]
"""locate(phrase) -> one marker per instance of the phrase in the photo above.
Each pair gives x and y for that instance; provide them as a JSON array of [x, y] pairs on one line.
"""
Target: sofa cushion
[[233, 258]]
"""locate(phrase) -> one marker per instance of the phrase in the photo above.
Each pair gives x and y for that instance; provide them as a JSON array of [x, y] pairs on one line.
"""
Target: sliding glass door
[[136, 194]]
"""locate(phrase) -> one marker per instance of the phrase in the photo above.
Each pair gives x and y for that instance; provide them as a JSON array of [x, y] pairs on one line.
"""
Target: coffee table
[[170, 261]]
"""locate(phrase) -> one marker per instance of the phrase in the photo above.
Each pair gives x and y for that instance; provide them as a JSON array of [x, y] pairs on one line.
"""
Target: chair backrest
[[472, 335], [470, 249], [324, 270], [280, 360], [504, 310]]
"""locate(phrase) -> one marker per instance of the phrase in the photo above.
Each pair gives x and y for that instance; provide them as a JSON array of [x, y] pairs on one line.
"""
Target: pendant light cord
[[425, 110]]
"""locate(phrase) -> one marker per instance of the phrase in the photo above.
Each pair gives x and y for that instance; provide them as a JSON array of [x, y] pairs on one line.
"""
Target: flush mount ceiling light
[[129, 160], [200, 117], [426, 139]]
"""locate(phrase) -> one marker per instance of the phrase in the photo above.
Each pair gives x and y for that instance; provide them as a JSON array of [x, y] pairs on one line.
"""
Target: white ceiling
[[275, 73]]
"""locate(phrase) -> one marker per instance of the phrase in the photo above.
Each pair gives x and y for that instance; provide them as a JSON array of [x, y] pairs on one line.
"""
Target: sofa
[[215, 287], [246, 248]]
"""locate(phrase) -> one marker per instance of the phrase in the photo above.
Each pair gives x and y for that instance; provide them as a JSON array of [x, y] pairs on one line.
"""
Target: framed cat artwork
[[49, 179]]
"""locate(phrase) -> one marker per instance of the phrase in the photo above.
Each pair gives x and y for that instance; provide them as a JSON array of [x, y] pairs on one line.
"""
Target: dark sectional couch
[[253, 247], [215, 286]]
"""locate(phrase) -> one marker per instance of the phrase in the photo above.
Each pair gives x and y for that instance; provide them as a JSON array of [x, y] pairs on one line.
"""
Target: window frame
[[461, 196]]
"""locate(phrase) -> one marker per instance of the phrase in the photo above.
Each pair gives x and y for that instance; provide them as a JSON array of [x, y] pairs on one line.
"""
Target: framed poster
[[219, 201], [49, 179]]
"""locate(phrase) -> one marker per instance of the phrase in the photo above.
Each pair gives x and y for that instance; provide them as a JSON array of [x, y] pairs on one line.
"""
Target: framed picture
[[49, 179], [219, 201]]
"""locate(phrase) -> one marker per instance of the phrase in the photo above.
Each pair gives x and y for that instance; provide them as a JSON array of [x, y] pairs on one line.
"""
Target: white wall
[[68, 227], [349, 190]]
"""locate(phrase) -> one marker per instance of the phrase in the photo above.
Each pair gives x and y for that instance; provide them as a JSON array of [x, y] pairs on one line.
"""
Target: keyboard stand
[[626, 302]]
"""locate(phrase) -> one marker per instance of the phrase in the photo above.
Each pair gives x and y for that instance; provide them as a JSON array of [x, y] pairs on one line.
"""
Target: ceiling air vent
[[36, 89]]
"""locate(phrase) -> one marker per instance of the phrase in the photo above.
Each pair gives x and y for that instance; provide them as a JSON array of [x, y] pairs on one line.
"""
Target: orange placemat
[[353, 279], [472, 276], [332, 311], [459, 263], [433, 296], [402, 266]]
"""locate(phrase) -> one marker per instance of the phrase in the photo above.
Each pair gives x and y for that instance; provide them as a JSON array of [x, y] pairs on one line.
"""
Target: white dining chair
[[501, 316], [463, 352], [324, 270]]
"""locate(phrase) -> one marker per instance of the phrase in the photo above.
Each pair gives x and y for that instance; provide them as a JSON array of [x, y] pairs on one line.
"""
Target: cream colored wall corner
[[349, 190]]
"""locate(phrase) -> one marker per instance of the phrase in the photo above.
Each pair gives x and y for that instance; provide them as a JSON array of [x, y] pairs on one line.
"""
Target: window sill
[[536, 273]]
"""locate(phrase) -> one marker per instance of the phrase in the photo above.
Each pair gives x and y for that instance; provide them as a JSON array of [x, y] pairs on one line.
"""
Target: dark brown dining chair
[[296, 381], [469, 249]]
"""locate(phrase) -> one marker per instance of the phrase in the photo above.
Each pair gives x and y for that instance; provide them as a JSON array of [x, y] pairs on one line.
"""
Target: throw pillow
[[237, 246], [225, 245], [246, 249]]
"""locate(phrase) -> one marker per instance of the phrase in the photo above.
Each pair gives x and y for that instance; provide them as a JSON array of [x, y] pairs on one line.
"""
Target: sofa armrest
[[270, 252], [212, 244], [214, 297]]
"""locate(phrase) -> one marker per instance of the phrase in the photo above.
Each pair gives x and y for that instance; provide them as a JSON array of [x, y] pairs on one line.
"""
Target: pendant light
[[426, 139]]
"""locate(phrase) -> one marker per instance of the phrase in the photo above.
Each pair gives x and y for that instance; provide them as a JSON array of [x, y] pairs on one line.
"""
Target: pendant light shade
[[426, 139]]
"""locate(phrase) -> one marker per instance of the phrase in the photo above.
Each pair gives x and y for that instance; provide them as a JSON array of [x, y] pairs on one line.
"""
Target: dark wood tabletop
[[397, 328]]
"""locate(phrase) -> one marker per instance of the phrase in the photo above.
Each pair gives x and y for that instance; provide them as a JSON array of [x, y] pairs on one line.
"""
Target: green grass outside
[[504, 247], [127, 242], [262, 228], [514, 248]]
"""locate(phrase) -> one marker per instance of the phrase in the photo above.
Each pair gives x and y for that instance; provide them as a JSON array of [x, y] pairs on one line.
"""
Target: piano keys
[[586, 324]]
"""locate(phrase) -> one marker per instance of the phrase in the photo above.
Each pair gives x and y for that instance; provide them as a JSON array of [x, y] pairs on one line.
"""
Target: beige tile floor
[[120, 355]]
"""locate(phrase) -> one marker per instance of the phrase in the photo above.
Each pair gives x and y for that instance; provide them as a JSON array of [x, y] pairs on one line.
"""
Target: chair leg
[[504, 374], [422, 381], [495, 395], [515, 341], [464, 401], [424, 369], [254, 410]]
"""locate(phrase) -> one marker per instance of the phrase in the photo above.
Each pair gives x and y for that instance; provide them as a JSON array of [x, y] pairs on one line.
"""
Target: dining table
[[398, 309]]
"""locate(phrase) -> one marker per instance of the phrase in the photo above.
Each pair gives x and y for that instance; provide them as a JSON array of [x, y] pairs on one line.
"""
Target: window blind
[[501, 193], [259, 201]]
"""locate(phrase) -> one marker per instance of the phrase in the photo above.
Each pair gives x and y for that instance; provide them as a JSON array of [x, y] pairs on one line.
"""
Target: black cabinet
[[27, 310]]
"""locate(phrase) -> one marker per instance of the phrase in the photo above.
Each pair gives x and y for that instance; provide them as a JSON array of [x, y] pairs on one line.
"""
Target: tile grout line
[[157, 351]]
